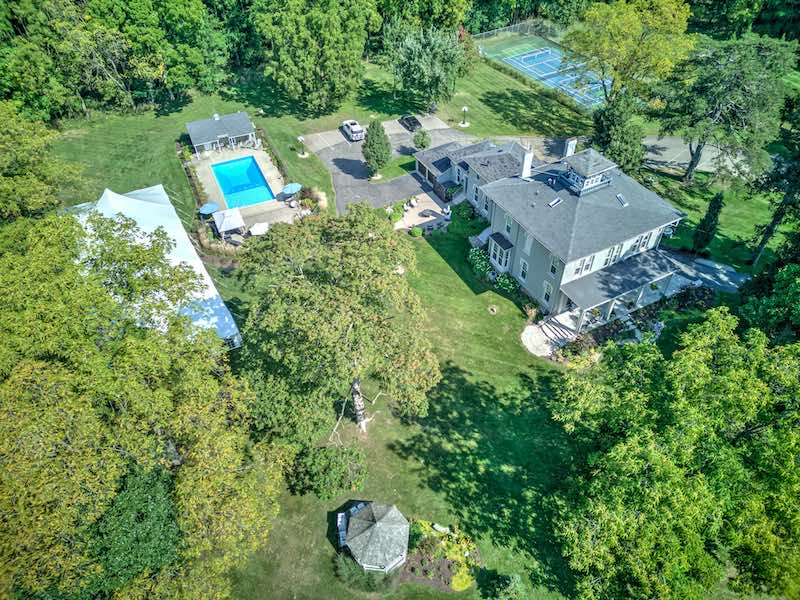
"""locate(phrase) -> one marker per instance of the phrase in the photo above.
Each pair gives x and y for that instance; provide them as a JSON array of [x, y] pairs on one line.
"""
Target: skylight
[[555, 202], [622, 200]]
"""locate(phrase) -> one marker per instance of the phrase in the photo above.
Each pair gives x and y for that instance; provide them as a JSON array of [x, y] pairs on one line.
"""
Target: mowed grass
[[124, 152], [397, 167], [487, 456], [742, 212]]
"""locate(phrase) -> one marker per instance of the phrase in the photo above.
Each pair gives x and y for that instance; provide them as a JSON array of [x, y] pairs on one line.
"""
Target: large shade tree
[[729, 94], [118, 421], [314, 48], [684, 463], [333, 307], [630, 44]]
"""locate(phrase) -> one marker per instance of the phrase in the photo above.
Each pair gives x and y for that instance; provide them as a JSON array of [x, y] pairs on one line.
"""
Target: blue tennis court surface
[[553, 69]]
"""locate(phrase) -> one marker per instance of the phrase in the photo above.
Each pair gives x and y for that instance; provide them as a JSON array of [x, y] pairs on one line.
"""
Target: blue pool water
[[242, 182]]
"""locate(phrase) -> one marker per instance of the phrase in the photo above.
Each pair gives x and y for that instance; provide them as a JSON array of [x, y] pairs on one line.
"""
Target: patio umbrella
[[208, 208], [228, 220], [259, 229], [291, 188]]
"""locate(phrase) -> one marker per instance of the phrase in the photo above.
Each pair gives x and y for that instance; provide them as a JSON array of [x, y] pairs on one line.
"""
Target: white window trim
[[528, 243], [553, 264], [509, 222], [523, 269], [547, 291], [589, 263]]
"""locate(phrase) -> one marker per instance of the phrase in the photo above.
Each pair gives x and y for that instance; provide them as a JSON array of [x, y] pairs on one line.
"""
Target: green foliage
[[314, 48], [509, 587], [507, 284], [128, 387], [138, 533], [63, 57], [322, 290], [425, 62], [328, 471], [30, 176], [777, 312], [422, 139], [725, 18], [618, 134], [424, 13], [353, 576], [377, 149], [667, 485], [631, 43], [416, 231], [730, 94], [707, 227], [478, 258], [395, 212], [462, 579], [780, 19]]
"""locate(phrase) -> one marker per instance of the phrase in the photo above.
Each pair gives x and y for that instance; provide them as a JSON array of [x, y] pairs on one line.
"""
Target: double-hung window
[[548, 291], [523, 269], [528, 242], [645, 241], [495, 249], [613, 255], [509, 220], [588, 264], [553, 264], [579, 268], [486, 204]]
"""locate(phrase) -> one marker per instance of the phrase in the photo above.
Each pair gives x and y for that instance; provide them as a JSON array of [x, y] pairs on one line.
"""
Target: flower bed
[[441, 558]]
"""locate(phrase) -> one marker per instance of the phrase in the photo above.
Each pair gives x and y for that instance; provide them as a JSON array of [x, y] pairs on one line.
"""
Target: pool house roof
[[234, 125]]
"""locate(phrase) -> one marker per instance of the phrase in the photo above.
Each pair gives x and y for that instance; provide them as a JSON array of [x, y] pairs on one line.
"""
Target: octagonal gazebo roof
[[377, 536]]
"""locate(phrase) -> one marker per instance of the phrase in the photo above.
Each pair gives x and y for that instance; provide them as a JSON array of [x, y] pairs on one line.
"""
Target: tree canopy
[[630, 44], [332, 307], [686, 462], [618, 134], [729, 94], [314, 48], [104, 390]]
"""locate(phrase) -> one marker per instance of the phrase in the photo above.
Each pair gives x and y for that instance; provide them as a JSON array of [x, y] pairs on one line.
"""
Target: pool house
[[221, 131]]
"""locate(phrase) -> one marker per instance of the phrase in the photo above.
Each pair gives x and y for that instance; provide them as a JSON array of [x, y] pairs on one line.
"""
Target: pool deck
[[205, 160]]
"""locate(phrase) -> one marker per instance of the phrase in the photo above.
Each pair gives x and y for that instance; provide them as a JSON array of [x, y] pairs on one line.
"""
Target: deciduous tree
[[314, 48], [630, 44], [729, 94], [618, 134]]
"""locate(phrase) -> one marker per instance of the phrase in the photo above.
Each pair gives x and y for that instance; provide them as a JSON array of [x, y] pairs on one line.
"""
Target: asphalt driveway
[[351, 177]]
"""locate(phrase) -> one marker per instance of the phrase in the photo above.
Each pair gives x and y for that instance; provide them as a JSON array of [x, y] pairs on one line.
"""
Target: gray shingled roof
[[501, 240], [579, 226], [209, 130], [377, 535], [498, 163], [589, 162], [440, 158], [620, 278]]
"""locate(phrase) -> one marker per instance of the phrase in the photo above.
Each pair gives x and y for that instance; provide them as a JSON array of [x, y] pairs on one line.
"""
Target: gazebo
[[377, 536]]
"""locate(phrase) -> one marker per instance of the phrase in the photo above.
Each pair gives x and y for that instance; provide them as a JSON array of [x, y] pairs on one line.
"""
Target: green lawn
[[130, 151], [737, 222], [397, 167], [486, 457]]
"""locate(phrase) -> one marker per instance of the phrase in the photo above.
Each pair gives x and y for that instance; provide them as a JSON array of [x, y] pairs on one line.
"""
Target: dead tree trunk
[[358, 404]]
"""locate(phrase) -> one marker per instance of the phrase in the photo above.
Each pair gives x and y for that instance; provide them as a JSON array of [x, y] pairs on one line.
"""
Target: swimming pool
[[242, 182]]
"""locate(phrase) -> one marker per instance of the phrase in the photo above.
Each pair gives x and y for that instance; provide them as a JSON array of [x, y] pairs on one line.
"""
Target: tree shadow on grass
[[255, 89], [535, 112], [381, 97], [498, 458], [167, 106]]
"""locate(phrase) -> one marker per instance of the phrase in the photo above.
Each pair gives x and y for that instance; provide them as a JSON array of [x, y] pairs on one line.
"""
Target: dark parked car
[[410, 122]]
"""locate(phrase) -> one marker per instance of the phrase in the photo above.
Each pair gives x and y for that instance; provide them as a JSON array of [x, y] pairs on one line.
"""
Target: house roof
[[620, 278], [151, 208], [501, 240], [377, 535], [491, 161], [498, 163], [210, 130], [580, 225], [589, 162]]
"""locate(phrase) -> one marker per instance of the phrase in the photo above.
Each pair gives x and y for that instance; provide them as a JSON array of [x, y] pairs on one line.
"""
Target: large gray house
[[578, 234]]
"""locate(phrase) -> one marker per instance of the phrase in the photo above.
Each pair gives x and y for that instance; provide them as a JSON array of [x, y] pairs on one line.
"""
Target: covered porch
[[615, 292]]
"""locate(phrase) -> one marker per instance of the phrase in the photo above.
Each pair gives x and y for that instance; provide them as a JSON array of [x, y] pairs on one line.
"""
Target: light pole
[[301, 140], [464, 110]]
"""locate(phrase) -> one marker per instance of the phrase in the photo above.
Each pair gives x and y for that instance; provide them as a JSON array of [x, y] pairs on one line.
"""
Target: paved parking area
[[351, 178]]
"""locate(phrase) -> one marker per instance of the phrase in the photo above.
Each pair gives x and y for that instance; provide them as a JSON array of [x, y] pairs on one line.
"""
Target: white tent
[[228, 220], [151, 208]]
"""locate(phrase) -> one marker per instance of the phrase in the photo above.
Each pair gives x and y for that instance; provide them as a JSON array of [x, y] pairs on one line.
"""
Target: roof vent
[[555, 202], [622, 200]]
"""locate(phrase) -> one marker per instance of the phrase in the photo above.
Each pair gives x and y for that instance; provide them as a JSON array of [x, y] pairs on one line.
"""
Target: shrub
[[353, 576], [395, 211], [422, 139], [507, 284], [510, 588], [452, 191], [479, 259], [416, 232], [462, 580], [327, 471]]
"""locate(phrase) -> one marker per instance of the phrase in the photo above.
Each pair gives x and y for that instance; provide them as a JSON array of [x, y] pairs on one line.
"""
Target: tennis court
[[532, 48], [553, 69]]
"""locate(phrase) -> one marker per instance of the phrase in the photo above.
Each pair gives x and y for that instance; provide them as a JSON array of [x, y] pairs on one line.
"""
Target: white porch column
[[581, 315], [666, 285], [641, 293], [610, 308]]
